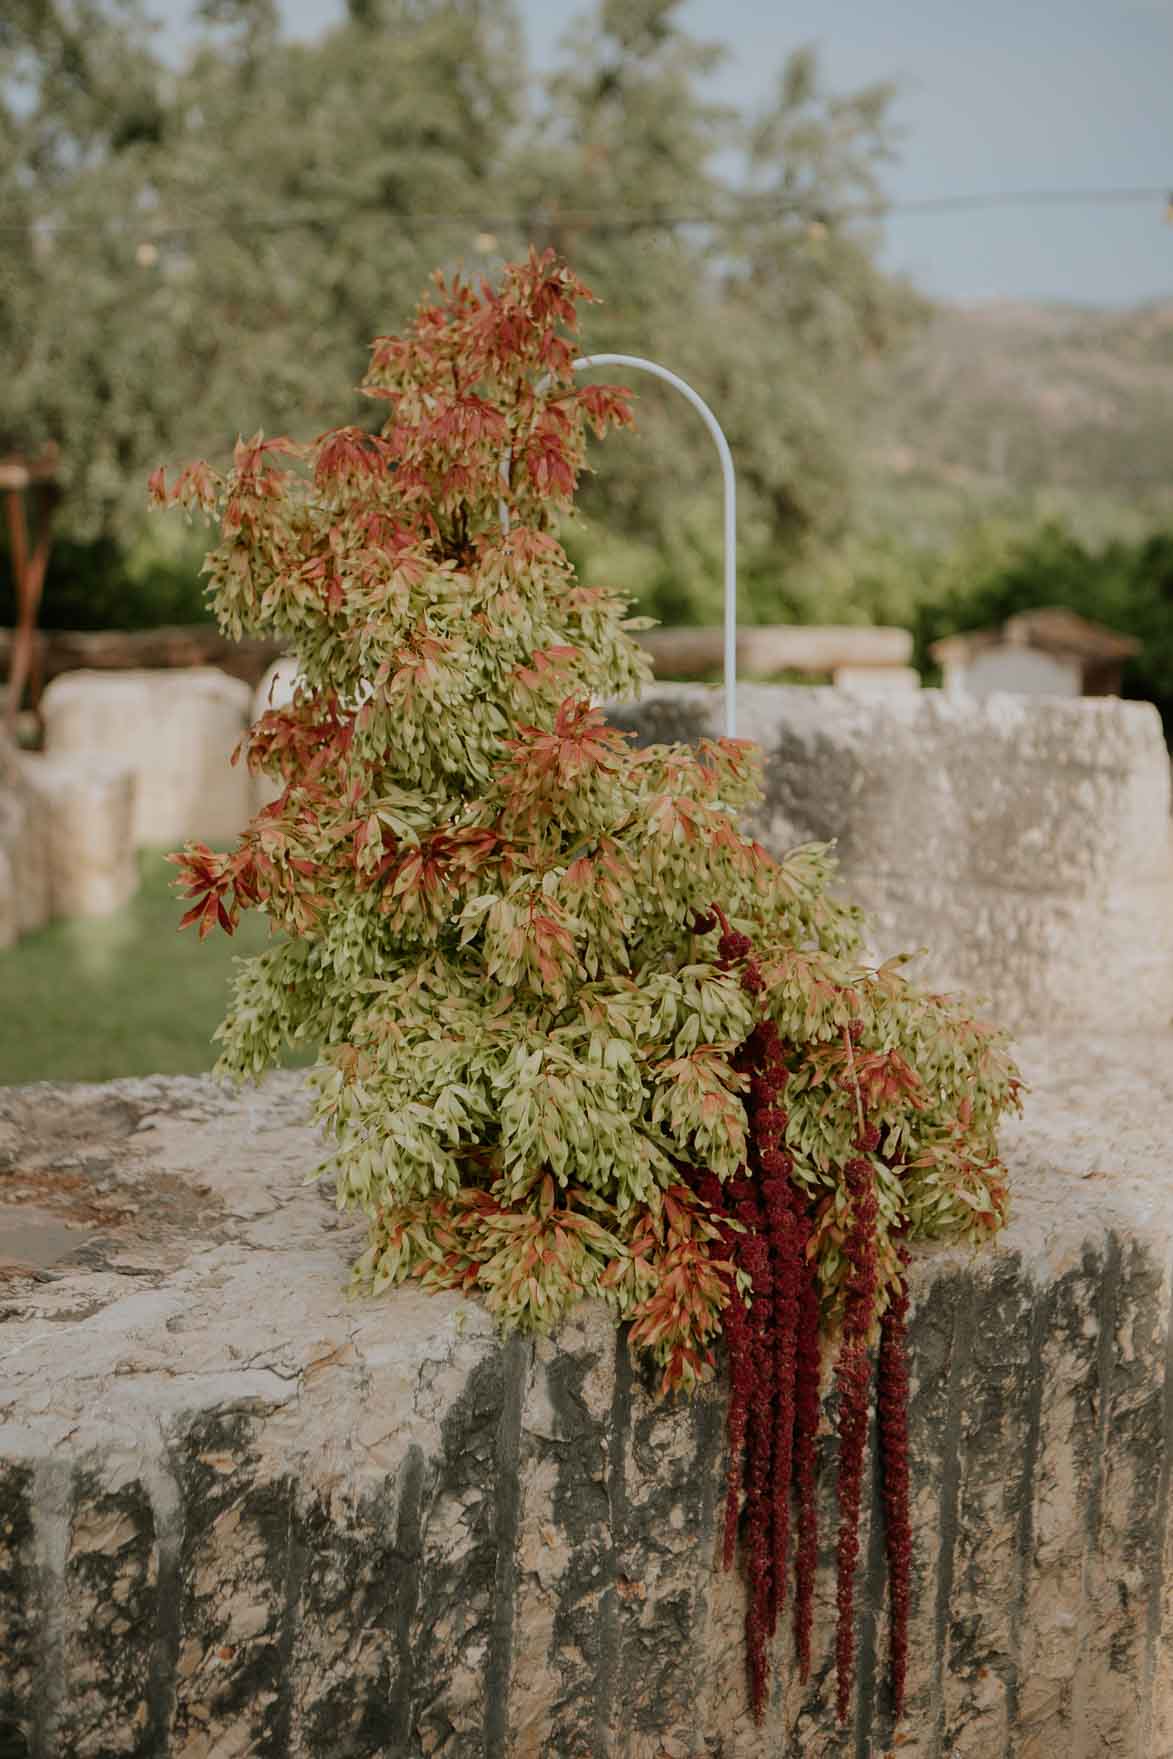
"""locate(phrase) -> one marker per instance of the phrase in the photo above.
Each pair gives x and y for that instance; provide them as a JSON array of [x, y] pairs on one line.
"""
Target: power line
[[750, 213], [1033, 198]]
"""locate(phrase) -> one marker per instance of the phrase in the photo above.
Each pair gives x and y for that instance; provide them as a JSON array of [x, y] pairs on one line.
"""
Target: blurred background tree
[[770, 312], [190, 251]]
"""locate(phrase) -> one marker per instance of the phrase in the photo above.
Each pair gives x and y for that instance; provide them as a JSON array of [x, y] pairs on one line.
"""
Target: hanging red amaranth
[[892, 1408], [807, 1407], [773, 1166], [774, 1350], [765, 1569], [757, 1534], [853, 1373], [769, 1247]]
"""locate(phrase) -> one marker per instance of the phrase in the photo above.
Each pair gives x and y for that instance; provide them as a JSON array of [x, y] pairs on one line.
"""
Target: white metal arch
[[730, 544]]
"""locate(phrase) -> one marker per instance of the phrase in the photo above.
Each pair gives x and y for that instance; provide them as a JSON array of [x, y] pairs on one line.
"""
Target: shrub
[[580, 1036]]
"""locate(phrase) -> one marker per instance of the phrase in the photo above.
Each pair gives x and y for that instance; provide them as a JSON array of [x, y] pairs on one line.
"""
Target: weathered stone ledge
[[240, 1515], [1026, 841]]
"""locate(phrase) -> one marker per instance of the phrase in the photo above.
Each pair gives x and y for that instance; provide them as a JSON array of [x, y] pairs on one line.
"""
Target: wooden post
[[20, 477]]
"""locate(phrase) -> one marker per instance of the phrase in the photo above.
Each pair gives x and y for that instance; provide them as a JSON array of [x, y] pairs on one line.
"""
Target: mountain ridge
[[1016, 405]]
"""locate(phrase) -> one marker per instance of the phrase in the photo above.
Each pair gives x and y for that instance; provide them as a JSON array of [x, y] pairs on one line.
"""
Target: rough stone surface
[[1025, 842], [242, 1515], [89, 811], [176, 730], [24, 851]]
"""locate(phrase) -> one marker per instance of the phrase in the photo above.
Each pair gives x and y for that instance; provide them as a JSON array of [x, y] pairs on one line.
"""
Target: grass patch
[[126, 995]]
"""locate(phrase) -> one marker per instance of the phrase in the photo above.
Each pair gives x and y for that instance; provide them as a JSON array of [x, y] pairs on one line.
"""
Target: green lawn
[[130, 995]]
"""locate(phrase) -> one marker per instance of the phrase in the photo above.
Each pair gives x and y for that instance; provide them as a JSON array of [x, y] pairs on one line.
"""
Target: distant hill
[[1019, 407]]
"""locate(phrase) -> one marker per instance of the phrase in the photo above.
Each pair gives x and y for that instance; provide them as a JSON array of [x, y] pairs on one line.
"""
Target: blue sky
[[1008, 95]]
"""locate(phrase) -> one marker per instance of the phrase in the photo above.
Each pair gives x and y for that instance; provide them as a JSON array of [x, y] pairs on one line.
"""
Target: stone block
[[25, 902], [19, 1643], [763, 649], [240, 1513], [108, 1574], [876, 680], [176, 730], [1024, 843], [89, 813]]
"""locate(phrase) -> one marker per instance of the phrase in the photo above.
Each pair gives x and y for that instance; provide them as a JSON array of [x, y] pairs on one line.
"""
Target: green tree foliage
[[770, 314], [154, 293], [190, 253]]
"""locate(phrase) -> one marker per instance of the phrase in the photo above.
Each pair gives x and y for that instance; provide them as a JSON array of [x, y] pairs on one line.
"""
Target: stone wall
[[240, 1515], [175, 731], [88, 808], [25, 902], [1025, 842], [131, 760], [65, 840]]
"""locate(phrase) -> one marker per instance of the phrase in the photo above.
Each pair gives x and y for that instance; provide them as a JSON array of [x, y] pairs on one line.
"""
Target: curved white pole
[[726, 457]]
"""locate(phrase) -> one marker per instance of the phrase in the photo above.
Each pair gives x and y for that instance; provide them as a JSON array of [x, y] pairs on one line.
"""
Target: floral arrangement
[[580, 1036]]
